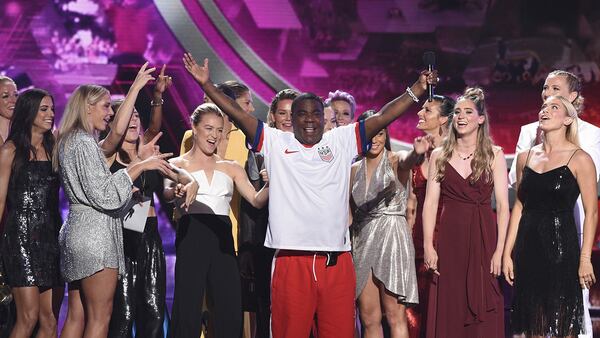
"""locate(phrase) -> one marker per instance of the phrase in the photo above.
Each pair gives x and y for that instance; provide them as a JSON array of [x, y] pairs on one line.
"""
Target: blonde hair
[[574, 84], [483, 157], [75, 116], [7, 79], [572, 129], [203, 109]]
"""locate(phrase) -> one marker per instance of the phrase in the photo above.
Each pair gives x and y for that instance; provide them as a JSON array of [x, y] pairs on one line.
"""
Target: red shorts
[[303, 287]]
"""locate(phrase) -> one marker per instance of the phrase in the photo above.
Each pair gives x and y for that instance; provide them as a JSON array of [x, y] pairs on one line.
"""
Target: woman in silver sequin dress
[[91, 243], [382, 247]]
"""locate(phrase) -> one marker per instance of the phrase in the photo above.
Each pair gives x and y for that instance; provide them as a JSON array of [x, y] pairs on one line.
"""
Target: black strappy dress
[[547, 298]]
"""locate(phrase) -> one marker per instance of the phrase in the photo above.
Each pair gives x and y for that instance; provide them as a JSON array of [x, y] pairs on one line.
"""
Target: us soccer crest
[[325, 153]]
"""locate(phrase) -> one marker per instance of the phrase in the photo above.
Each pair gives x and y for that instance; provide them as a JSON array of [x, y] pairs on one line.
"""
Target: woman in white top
[[204, 244]]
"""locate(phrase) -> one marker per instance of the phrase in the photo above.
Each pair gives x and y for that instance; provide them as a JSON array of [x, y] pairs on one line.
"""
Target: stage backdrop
[[370, 48]]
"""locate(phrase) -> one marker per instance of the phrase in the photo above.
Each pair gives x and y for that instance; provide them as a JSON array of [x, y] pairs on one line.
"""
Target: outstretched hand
[[189, 191], [146, 150], [163, 82], [158, 162], [423, 144], [142, 77], [200, 73]]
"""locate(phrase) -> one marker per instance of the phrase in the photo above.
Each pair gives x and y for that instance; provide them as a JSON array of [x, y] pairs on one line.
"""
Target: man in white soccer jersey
[[309, 175]]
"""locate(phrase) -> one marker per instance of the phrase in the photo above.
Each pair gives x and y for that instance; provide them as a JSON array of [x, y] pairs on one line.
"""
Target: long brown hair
[[483, 158]]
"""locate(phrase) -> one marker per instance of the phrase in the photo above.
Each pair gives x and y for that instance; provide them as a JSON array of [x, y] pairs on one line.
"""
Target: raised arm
[[586, 179], [163, 82], [399, 105], [119, 125], [513, 225], [247, 122], [502, 209]]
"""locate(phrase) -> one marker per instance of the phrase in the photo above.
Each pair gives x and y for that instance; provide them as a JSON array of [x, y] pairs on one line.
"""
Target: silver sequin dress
[[382, 240], [91, 239]]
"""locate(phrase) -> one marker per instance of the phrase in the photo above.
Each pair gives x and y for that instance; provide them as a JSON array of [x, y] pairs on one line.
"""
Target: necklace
[[465, 158]]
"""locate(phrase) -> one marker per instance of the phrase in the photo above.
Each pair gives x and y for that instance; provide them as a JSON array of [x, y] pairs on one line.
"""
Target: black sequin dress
[[140, 296], [29, 249], [547, 298]]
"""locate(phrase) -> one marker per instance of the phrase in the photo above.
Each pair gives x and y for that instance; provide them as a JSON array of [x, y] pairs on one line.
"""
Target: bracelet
[[411, 94], [154, 104]]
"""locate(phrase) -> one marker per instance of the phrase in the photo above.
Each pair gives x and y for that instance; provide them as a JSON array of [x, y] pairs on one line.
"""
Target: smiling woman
[[204, 245], [30, 244], [468, 170], [91, 240], [343, 105], [8, 98]]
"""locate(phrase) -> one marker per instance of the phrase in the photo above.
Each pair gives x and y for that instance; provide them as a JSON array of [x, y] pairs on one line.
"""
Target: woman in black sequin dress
[[29, 193], [140, 297], [549, 268]]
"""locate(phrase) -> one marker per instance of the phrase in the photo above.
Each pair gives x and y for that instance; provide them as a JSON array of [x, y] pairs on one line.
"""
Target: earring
[[441, 131]]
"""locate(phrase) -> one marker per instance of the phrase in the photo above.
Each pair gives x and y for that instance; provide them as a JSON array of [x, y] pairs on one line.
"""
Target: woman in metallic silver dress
[[91, 243], [382, 247]]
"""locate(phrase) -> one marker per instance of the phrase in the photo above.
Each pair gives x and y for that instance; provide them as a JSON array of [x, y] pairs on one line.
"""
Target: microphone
[[429, 61]]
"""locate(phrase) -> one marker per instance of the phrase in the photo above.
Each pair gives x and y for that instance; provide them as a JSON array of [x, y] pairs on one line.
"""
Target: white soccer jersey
[[309, 187]]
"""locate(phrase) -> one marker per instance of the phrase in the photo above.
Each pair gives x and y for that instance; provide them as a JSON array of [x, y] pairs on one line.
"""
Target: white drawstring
[[314, 272]]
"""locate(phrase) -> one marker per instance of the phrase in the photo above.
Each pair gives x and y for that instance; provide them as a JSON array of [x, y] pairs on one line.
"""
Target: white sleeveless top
[[213, 197]]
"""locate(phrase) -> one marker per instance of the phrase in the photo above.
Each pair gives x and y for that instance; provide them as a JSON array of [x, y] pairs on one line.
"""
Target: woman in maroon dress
[[434, 119], [465, 299]]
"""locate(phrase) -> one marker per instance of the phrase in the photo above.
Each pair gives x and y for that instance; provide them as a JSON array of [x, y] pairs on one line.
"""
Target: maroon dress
[[465, 301]]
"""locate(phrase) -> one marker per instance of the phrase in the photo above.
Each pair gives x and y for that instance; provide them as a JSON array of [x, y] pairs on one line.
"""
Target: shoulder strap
[[527, 160], [569, 161]]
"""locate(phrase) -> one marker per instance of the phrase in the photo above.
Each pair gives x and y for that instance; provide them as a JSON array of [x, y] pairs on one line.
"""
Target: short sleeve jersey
[[309, 187]]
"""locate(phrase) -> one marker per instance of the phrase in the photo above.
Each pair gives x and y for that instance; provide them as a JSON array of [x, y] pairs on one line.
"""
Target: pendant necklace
[[465, 158]]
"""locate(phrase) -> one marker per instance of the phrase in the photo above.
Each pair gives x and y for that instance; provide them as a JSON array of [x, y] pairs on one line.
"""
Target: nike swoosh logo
[[287, 151]]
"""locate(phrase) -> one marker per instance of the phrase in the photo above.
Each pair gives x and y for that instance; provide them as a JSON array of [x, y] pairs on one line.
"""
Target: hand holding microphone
[[427, 80], [429, 61]]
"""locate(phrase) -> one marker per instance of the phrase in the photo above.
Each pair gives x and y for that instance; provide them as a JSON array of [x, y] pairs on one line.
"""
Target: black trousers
[[206, 261], [140, 294], [262, 258]]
